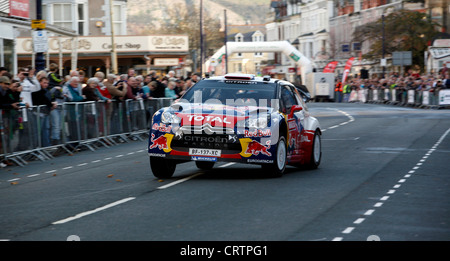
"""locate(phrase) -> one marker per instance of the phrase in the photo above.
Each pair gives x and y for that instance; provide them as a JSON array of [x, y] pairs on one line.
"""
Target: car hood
[[217, 114]]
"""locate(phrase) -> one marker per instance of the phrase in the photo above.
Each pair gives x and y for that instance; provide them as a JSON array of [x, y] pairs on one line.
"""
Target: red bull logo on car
[[255, 148], [160, 142]]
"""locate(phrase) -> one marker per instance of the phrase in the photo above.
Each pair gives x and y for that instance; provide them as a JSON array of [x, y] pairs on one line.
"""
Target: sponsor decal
[[305, 139], [157, 155], [255, 148], [213, 120], [211, 139], [197, 158], [258, 133], [162, 127], [162, 142], [259, 161]]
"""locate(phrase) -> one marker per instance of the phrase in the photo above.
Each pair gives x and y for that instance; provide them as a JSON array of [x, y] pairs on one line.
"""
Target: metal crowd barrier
[[35, 133], [403, 97]]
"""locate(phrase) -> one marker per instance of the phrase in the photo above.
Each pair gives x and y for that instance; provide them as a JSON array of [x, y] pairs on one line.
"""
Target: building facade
[[90, 47], [15, 21], [247, 62], [322, 29]]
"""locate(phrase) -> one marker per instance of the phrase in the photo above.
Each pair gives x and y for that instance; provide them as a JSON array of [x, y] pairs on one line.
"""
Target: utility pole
[[225, 41], [39, 60], [113, 42], [384, 45], [202, 55]]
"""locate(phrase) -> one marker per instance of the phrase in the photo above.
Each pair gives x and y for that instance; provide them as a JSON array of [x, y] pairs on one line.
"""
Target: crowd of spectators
[[408, 81], [30, 88]]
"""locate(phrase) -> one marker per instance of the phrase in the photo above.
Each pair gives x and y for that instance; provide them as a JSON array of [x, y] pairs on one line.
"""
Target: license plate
[[204, 152]]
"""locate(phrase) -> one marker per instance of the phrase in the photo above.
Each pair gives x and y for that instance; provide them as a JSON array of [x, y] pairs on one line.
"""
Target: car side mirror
[[294, 109]]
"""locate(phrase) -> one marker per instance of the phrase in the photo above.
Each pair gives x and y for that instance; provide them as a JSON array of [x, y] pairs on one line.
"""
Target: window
[[82, 19], [239, 37], [287, 99], [72, 16], [117, 19], [258, 37], [62, 15]]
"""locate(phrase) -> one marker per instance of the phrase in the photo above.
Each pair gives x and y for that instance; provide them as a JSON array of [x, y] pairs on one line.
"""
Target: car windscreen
[[246, 92]]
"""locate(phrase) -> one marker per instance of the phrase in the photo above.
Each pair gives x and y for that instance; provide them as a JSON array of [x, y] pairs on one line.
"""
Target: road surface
[[384, 176]]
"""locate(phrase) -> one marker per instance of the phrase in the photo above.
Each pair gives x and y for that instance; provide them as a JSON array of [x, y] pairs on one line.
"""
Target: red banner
[[348, 67], [19, 8], [330, 67]]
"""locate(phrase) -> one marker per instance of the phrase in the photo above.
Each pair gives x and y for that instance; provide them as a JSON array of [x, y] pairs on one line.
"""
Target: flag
[[348, 67], [330, 67]]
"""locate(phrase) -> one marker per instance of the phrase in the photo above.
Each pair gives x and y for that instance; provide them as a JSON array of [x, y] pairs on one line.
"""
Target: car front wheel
[[279, 164], [162, 168], [316, 152]]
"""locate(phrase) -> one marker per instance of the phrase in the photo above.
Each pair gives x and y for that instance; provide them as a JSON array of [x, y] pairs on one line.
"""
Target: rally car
[[236, 118]]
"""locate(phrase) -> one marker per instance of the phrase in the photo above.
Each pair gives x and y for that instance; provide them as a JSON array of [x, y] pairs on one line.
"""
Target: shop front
[[92, 54]]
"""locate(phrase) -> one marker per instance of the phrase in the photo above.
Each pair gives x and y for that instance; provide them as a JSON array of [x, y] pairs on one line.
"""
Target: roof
[[247, 36]]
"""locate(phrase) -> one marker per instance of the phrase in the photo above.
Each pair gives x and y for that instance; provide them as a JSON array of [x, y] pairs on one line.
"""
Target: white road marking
[[180, 181], [359, 221], [226, 165], [92, 211], [348, 230], [378, 204], [369, 212]]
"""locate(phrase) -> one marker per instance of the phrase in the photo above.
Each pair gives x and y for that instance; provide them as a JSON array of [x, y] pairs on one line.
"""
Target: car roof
[[246, 77]]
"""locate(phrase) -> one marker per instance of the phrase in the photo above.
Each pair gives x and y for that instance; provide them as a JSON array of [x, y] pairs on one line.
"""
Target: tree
[[180, 20], [404, 31]]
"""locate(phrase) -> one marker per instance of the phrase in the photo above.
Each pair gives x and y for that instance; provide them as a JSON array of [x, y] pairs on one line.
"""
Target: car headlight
[[170, 117], [255, 122]]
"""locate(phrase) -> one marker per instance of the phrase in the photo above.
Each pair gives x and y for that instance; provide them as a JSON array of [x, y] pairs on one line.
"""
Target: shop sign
[[102, 44], [19, 8]]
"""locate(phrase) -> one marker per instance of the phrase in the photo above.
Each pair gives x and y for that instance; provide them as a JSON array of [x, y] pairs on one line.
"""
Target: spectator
[[3, 71], [101, 85], [28, 86], [6, 101], [117, 90], [43, 97], [152, 85], [160, 87], [196, 77], [178, 87], [72, 90], [133, 89], [145, 90], [170, 90], [54, 79], [91, 91], [131, 73], [446, 84]]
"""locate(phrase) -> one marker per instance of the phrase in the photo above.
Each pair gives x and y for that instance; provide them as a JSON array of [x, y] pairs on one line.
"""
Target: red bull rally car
[[236, 118]]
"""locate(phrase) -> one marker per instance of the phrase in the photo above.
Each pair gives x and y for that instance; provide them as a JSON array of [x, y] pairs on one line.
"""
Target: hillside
[[145, 15]]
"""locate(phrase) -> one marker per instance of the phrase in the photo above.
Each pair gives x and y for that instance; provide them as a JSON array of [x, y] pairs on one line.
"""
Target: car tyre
[[162, 168], [204, 165], [278, 166], [316, 152]]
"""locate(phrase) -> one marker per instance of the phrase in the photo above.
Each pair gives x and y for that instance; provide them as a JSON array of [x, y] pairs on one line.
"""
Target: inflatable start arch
[[262, 47]]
